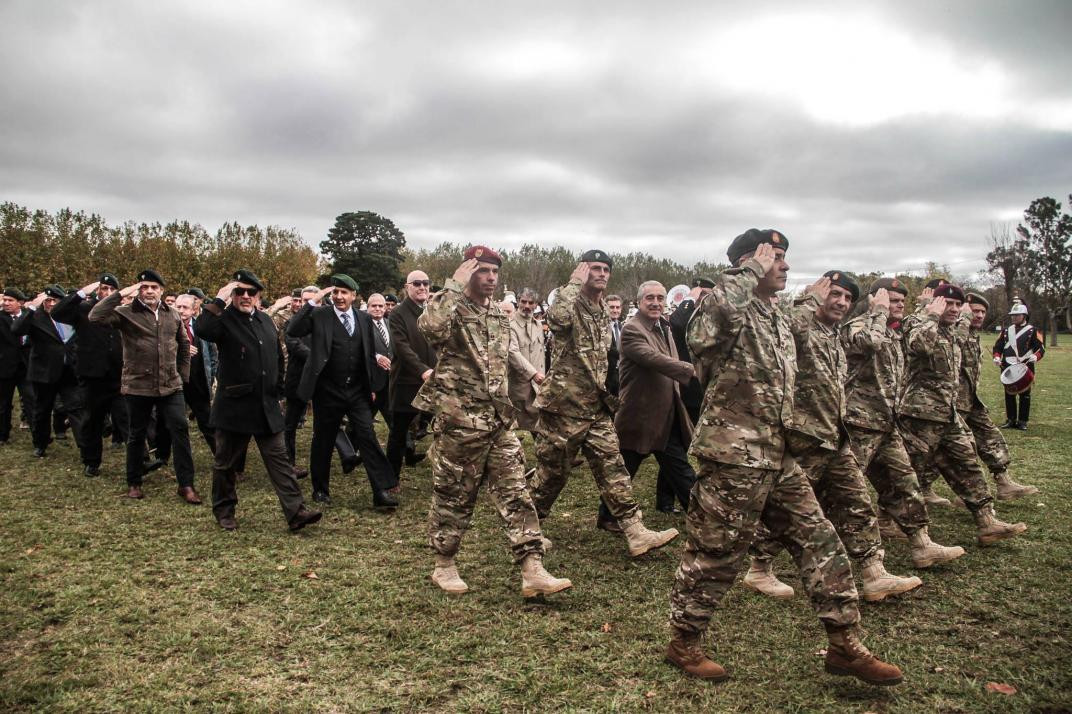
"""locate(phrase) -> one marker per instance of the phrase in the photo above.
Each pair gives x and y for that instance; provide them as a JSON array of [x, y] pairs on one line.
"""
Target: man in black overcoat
[[12, 357]]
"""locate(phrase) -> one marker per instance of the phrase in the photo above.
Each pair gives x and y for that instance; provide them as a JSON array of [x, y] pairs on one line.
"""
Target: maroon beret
[[484, 254], [949, 290]]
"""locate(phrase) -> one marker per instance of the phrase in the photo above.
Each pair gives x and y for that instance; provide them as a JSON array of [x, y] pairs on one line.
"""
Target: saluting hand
[[87, 289], [466, 270], [581, 273], [131, 290], [881, 299], [936, 306], [764, 255], [820, 288], [324, 292], [281, 302], [225, 292], [36, 302], [926, 295], [966, 311]]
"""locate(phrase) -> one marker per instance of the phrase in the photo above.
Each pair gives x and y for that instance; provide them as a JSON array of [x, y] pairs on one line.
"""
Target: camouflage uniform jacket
[[819, 395], [745, 358], [576, 383], [932, 372], [970, 357], [280, 318], [469, 387], [876, 369]]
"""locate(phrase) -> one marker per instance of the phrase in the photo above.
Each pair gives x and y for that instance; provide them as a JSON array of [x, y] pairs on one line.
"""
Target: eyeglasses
[[420, 283], [252, 292], [527, 302]]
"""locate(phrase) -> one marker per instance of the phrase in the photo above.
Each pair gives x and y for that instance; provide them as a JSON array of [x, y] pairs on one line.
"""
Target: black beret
[[109, 279], [197, 293], [390, 298], [842, 280], [977, 299], [597, 256], [246, 276], [55, 291], [949, 290], [935, 283], [751, 239], [15, 293], [295, 293], [150, 276], [892, 285], [344, 281], [703, 283]]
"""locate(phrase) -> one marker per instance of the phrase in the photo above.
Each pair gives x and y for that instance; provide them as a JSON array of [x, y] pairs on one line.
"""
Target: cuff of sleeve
[[81, 295], [753, 265], [454, 285]]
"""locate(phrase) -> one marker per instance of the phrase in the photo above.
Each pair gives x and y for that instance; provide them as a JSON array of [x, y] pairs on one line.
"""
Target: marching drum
[[1017, 378]]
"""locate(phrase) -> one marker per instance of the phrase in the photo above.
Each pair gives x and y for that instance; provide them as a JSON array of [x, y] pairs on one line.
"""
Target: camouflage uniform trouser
[[726, 505], [949, 448], [462, 459], [842, 492], [989, 443], [883, 459], [558, 439]]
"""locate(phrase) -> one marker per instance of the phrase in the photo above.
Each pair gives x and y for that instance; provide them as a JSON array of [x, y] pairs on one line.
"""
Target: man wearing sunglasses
[[412, 363], [341, 378], [249, 381]]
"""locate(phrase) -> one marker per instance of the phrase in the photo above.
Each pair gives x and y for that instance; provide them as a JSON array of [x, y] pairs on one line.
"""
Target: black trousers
[[26, 399], [200, 405], [292, 416], [1024, 412], [45, 394], [171, 417], [329, 408], [7, 403], [396, 439], [673, 461], [99, 397], [231, 447]]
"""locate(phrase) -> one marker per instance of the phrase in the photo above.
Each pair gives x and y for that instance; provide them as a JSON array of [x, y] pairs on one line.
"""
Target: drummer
[[1019, 343]]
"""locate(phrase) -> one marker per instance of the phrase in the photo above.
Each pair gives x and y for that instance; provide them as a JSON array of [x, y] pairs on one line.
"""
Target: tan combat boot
[[1009, 490], [761, 578], [933, 499], [537, 581], [926, 552], [990, 530], [640, 539], [684, 651], [879, 585], [847, 656], [446, 576], [888, 527]]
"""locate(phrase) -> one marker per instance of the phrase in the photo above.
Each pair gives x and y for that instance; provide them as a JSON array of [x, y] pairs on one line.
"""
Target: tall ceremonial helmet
[[677, 294]]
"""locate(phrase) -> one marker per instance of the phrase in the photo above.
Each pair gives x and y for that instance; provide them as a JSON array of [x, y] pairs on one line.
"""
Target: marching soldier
[[818, 441], [744, 352], [1019, 342], [576, 409], [474, 440], [873, 344], [933, 431]]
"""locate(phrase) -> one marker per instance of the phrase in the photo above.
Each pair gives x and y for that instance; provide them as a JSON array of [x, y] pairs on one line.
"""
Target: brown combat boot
[[846, 656], [990, 530], [446, 576], [933, 499], [926, 552], [761, 578], [1009, 490], [888, 527], [537, 581], [879, 585], [640, 539], [684, 652]]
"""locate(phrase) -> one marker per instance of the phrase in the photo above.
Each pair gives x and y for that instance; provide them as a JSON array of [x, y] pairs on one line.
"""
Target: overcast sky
[[876, 136]]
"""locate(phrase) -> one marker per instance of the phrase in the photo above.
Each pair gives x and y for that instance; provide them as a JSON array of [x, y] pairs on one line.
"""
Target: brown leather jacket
[[156, 352]]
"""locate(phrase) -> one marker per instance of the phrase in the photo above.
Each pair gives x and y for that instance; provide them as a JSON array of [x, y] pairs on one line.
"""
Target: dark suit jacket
[[249, 378], [47, 351], [297, 356], [319, 322], [12, 359], [99, 347], [691, 393], [651, 375], [203, 367], [413, 356]]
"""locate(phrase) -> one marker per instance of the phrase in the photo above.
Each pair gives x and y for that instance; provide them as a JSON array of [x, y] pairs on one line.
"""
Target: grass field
[[111, 604]]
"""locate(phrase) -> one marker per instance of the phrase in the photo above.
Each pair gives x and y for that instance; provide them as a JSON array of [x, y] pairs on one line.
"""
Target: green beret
[[842, 280], [751, 239], [597, 256], [975, 298], [246, 276], [197, 293], [935, 283], [892, 285], [15, 293], [150, 276], [109, 279], [344, 281], [55, 291]]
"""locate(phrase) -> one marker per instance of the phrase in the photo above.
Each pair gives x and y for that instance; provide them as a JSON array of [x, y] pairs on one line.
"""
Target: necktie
[[383, 332], [346, 323], [190, 332], [617, 336]]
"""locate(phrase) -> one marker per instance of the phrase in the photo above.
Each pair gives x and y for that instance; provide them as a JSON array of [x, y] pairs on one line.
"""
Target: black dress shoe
[[61, 436], [304, 517], [413, 458], [39, 453], [150, 466], [384, 499], [227, 523], [91, 471], [350, 464], [1008, 425], [321, 497], [1021, 425], [300, 473], [672, 510]]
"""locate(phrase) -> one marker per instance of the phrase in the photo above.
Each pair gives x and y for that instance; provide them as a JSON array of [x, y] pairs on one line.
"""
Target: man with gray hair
[[526, 362]]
